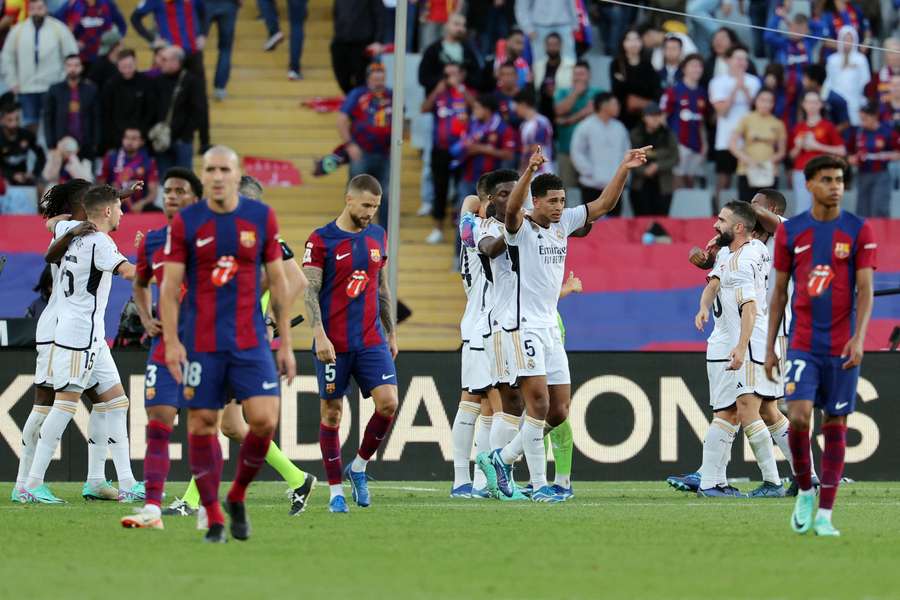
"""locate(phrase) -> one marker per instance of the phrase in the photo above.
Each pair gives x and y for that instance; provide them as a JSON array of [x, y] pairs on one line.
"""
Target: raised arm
[[766, 218], [281, 301], [514, 215], [613, 191], [386, 312]]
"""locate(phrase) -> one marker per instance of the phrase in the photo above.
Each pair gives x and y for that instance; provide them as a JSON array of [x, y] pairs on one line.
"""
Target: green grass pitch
[[622, 540]]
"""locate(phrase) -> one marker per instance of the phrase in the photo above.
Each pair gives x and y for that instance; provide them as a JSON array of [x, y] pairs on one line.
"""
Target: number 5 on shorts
[[330, 373]]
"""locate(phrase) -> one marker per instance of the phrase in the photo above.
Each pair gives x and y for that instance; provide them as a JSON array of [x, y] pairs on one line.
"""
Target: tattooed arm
[[386, 311], [324, 347]]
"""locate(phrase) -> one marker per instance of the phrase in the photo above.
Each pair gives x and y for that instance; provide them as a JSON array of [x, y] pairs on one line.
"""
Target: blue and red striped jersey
[[451, 118], [150, 262], [223, 256], [874, 149], [351, 265], [370, 119], [89, 20], [497, 133], [823, 258], [177, 21], [685, 107], [507, 107], [122, 171]]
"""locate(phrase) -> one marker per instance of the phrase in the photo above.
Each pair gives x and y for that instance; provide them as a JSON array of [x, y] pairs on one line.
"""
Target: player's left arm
[[386, 312], [613, 191], [745, 299], [853, 350], [514, 214]]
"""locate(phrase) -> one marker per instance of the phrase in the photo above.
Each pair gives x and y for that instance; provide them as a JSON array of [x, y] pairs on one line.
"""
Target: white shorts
[[476, 369], [690, 163], [721, 385], [540, 352], [781, 354], [752, 377], [502, 356], [79, 370], [42, 365], [726, 386]]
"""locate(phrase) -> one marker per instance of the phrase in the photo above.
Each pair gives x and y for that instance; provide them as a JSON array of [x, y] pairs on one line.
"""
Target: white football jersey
[[770, 284], [539, 254], [475, 269], [504, 279], [719, 344], [85, 277], [743, 279], [46, 325]]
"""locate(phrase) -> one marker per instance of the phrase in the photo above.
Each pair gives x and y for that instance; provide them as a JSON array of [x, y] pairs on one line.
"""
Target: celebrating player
[[351, 312], [830, 255], [219, 248]]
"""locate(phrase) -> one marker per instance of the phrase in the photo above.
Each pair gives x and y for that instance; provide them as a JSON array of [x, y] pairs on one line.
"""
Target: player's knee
[[331, 413], [161, 415], [387, 407], [233, 431], [264, 426], [556, 415]]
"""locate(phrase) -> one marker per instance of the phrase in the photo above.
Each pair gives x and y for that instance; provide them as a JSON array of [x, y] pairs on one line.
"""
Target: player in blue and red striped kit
[[830, 254], [219, 247], [352, 315]]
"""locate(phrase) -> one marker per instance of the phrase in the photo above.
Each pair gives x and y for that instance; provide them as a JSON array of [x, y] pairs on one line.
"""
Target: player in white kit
[[80, 358], [537, 245]]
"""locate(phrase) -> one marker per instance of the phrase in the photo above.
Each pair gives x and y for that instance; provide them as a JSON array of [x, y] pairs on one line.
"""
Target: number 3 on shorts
[[192, 373], [330, 373], [790, 364], [150, 376]]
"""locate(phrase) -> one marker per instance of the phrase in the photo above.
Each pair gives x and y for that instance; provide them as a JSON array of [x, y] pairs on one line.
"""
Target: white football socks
[[51, 433], [463, 433], [761, 442], [98, 444], [117, 427], [504, 428], [30, 434], [532, 436], [359, 464], [482, 444], [716, 453], [336, 489], [779, 433]]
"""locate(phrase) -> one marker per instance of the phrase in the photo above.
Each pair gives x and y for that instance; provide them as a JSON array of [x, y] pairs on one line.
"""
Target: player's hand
[[771, 366], [392, 344], [572, 285], [287, 365], [712, 244], [636, 157], [138, 236], [354, 152], [176, 359], [698, 257], [853, 352], [701, 319], [325, 350], [737, 360], [537, 159], [83, 228], [137, 186], [153, 327]]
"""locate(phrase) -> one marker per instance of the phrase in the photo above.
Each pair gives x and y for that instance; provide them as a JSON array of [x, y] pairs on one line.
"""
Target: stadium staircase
[[263, 117]]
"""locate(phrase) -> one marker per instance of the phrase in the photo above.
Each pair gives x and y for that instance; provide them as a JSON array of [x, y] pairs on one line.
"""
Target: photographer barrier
[[635, 416]]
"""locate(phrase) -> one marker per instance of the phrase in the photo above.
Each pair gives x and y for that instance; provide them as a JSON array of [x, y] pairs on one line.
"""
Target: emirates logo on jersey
[[820, 279], [224, 270], [357, 283]]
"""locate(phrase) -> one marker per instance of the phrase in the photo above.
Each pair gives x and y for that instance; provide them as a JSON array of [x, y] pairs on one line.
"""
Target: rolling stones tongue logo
[[820, 279], [224, 270], [356, 283]]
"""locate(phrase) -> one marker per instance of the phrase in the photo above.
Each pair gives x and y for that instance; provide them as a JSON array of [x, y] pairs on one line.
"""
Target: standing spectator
[[597, 144], [551, 73], [717, 63], [835, 106], [848, 73], [129, 164], [653, 183], [18, 147], [673, 31], [572, 105], [614, 20], [812, 137], [538, 19], [224, 14], [297, 11], [489, 21], [104, 68], [875, 146], [731, 95], [759, 15], [449, 103], [128, 100], [364, 124], [187, 107], [64, 163], [686, 105], [839, 14], [535, 130], [759, 142], [634, 82], [507, 88], [488, 144], [33, 57], [357, 29], [89, 20], [672, 57], [880, 86], [890, 106], [791, 49], [433, 17], [785, 110], [453, 47], [703, 30], [511, 50], [73, 109]]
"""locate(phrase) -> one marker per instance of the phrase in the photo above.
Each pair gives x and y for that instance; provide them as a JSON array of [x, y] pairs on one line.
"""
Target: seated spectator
[[875, 145], [129, 164], [759, 142], [652, 183], [33, 57], [453, 47], [511, 51], [89, 20], [634, 82], [104, 68], [835, 106], [597, 145], [572, 105], [848, 73], [128, 99], [357, 31], [188, 108], [364, 124], [551, 73], [838, 14], [65, 163], [672, 56], [812, 137], [507, 88], [686, 105], [73, 109], [880, 86], [538, 19], [18, 147], [535, 130]]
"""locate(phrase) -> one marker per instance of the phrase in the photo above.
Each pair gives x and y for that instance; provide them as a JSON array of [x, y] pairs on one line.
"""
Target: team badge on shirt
[[248, 238], [842, 250], [375, 254]]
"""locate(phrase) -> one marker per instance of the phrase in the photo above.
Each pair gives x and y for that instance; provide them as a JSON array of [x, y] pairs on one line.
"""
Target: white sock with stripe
[[30, 434], [98, 444], [761, 442], [716, 451], [532, 435], [51, 433], [482, 444], [463, 433], [117, 424], [504, 428]]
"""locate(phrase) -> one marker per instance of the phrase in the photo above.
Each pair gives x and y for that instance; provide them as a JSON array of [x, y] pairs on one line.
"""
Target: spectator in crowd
[[64, 163], [652, 40], [676, 30], [759, 142], [838, 14], [128, 99], [653, 183], [812, 137], [10, 14], [188, 109], [432, 19], [880, 86], [597, 145], [511, 50], [731, 95], [104, 68], [848, 73], [672, 57], [449, 103], [73, 109], [614, 20], [583, 34], [33, 57], [634, 82], [357, 29], [155, 69], [835, 106], [89, 20], [791, 49], [297, 11], [507, 88], [876, 144], [717, 63], [18, 147], [489, 144], [758, 12], [686, 105], [538, 19], [489, 20], [551, 73], [890, 106], [572, 105], [703, 30], [453, 47], [535, 130], [773, 80], [364, 124], [224, 14], [129, 164]]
